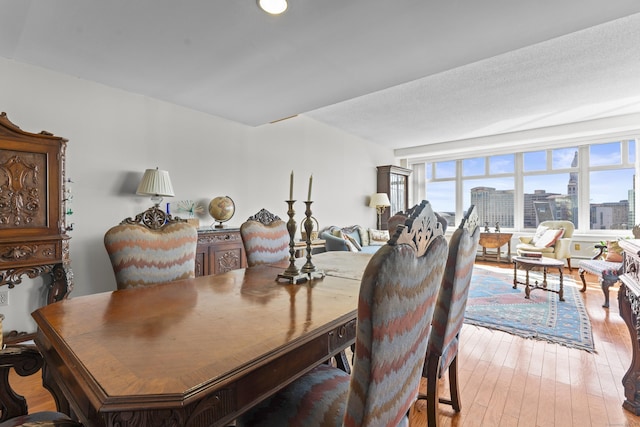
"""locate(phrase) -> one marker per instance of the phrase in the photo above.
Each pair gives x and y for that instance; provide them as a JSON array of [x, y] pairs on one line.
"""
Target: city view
[[546, 196]]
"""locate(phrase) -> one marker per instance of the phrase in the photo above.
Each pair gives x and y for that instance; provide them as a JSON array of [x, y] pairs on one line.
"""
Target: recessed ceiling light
[[274, 7]]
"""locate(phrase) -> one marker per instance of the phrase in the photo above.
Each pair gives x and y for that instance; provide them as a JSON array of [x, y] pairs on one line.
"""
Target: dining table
[[195, 352]]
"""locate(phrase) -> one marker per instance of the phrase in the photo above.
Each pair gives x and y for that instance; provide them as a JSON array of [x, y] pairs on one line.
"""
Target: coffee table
[[527, 264]]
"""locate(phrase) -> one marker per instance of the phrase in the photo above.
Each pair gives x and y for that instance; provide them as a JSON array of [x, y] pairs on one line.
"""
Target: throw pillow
[[351, 243], [549, 238], [538, 234], [378, 237], [614, 252]]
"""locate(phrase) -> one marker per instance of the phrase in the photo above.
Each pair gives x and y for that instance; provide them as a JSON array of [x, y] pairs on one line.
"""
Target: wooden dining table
[[195, 352]]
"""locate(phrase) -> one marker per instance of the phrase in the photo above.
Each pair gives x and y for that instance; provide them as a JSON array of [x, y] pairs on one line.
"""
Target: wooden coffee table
[[543, 263]]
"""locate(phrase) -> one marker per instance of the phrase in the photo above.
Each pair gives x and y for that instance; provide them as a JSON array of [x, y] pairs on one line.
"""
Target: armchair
[[152, 248], [552, 239], [26, 360]]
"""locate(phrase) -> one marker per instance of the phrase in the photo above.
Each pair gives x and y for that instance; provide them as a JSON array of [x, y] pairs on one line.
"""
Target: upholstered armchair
[[152, 248], [265, 238], [395, 308], [25, 360], [552, 239], [444, 340]]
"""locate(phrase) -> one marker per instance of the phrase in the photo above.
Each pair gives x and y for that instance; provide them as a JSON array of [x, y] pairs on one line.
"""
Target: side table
[[495, 241], [543, 263]]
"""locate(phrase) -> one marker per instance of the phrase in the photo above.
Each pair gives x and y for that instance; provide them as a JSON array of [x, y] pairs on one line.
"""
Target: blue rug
[[494, 304]]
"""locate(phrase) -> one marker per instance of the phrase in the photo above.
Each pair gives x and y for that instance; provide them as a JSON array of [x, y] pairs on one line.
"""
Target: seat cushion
[[41, 419], [600, 267]]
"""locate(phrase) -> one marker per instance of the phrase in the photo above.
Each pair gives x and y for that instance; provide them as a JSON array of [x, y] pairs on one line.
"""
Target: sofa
[[353, 239]]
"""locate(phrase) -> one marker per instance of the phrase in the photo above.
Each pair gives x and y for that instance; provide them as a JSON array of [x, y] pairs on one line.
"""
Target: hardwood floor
[[510, 381]]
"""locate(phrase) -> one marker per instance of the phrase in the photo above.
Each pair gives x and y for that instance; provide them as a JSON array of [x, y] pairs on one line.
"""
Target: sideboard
[[629, 304], [219, 250]]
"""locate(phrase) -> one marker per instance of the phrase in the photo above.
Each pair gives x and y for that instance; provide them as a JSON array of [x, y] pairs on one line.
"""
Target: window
[[519, 190]]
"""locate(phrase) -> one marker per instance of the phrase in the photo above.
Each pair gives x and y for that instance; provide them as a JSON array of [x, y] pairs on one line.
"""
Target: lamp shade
[[379, 199], [155, 182]]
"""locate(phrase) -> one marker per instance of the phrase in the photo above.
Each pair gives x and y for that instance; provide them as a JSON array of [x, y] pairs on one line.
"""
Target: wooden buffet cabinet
[[219, 250], [33, 239]]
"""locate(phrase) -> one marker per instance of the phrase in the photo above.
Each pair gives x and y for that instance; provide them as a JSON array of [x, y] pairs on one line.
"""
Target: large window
[[594, 183]]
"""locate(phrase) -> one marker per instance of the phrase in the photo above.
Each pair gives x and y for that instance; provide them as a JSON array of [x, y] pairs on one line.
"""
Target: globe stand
[[229, 209], [292, 274]]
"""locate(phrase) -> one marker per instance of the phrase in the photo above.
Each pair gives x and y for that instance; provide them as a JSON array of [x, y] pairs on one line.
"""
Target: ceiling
[[400, 73]]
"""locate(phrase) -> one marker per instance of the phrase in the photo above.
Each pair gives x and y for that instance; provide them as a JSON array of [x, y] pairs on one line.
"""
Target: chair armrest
[[562, 248], [25, 360], [334, 243], [600, 249], [525, 239]]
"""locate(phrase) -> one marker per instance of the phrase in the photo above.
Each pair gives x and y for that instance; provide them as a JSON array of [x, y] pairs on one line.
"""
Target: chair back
[[395, 309], [265, 238], [152, 248], [452, 297]]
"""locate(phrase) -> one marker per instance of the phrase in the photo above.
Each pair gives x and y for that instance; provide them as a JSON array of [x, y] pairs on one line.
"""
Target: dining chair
[[152, 248], [444, 340], [265, 238], [395, 307], [25, 360]]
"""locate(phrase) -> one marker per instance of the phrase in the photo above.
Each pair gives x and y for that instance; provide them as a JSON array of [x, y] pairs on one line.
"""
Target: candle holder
[[292, 274], [308, 268]]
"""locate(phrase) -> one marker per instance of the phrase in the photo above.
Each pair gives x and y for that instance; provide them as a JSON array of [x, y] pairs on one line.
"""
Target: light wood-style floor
[[510, 381]]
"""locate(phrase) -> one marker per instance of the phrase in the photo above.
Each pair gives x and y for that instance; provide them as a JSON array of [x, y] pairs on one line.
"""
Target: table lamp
[[155, 183], [380, 201]]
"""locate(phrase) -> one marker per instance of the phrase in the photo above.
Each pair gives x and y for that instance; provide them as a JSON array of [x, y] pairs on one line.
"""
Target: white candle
[[310, 182], [291, 187]]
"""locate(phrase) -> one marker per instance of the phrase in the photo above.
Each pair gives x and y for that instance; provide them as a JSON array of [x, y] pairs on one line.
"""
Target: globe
[[222, 209]]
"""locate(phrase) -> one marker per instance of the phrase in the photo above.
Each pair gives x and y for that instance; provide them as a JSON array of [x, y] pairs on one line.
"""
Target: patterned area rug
[[494, 304]]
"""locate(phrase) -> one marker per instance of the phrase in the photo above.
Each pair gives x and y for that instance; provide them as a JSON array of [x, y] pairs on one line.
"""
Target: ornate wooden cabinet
[[394, 181], [219, 250], [629, 305], [33, 239]]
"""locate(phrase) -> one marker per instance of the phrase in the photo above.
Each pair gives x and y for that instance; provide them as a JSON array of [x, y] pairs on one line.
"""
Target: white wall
[[115, 135]]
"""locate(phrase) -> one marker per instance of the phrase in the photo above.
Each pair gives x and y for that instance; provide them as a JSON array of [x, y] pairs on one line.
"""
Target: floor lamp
[[380, 201]]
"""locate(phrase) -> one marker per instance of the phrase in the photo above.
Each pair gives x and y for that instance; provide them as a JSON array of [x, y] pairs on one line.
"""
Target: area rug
[[494, 304]]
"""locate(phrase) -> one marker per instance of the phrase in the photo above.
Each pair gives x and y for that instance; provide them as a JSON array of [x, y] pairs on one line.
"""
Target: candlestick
[[291, 187], [308, 267], [292, 274], [310, 182]]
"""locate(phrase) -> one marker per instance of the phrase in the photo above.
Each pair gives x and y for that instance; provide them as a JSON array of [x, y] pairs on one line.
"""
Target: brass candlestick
[[308, 268], [292, 274]]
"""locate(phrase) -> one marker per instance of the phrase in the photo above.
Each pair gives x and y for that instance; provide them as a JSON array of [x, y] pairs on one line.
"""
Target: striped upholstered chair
[[442, 351], [395, 308], [152, 248], [265, 238]]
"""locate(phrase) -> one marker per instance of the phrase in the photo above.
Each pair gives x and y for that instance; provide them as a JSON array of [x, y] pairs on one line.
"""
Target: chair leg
[[342, 362], [433, 368], [453, 385], [584, 282], [606, 284], [569, 263]]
